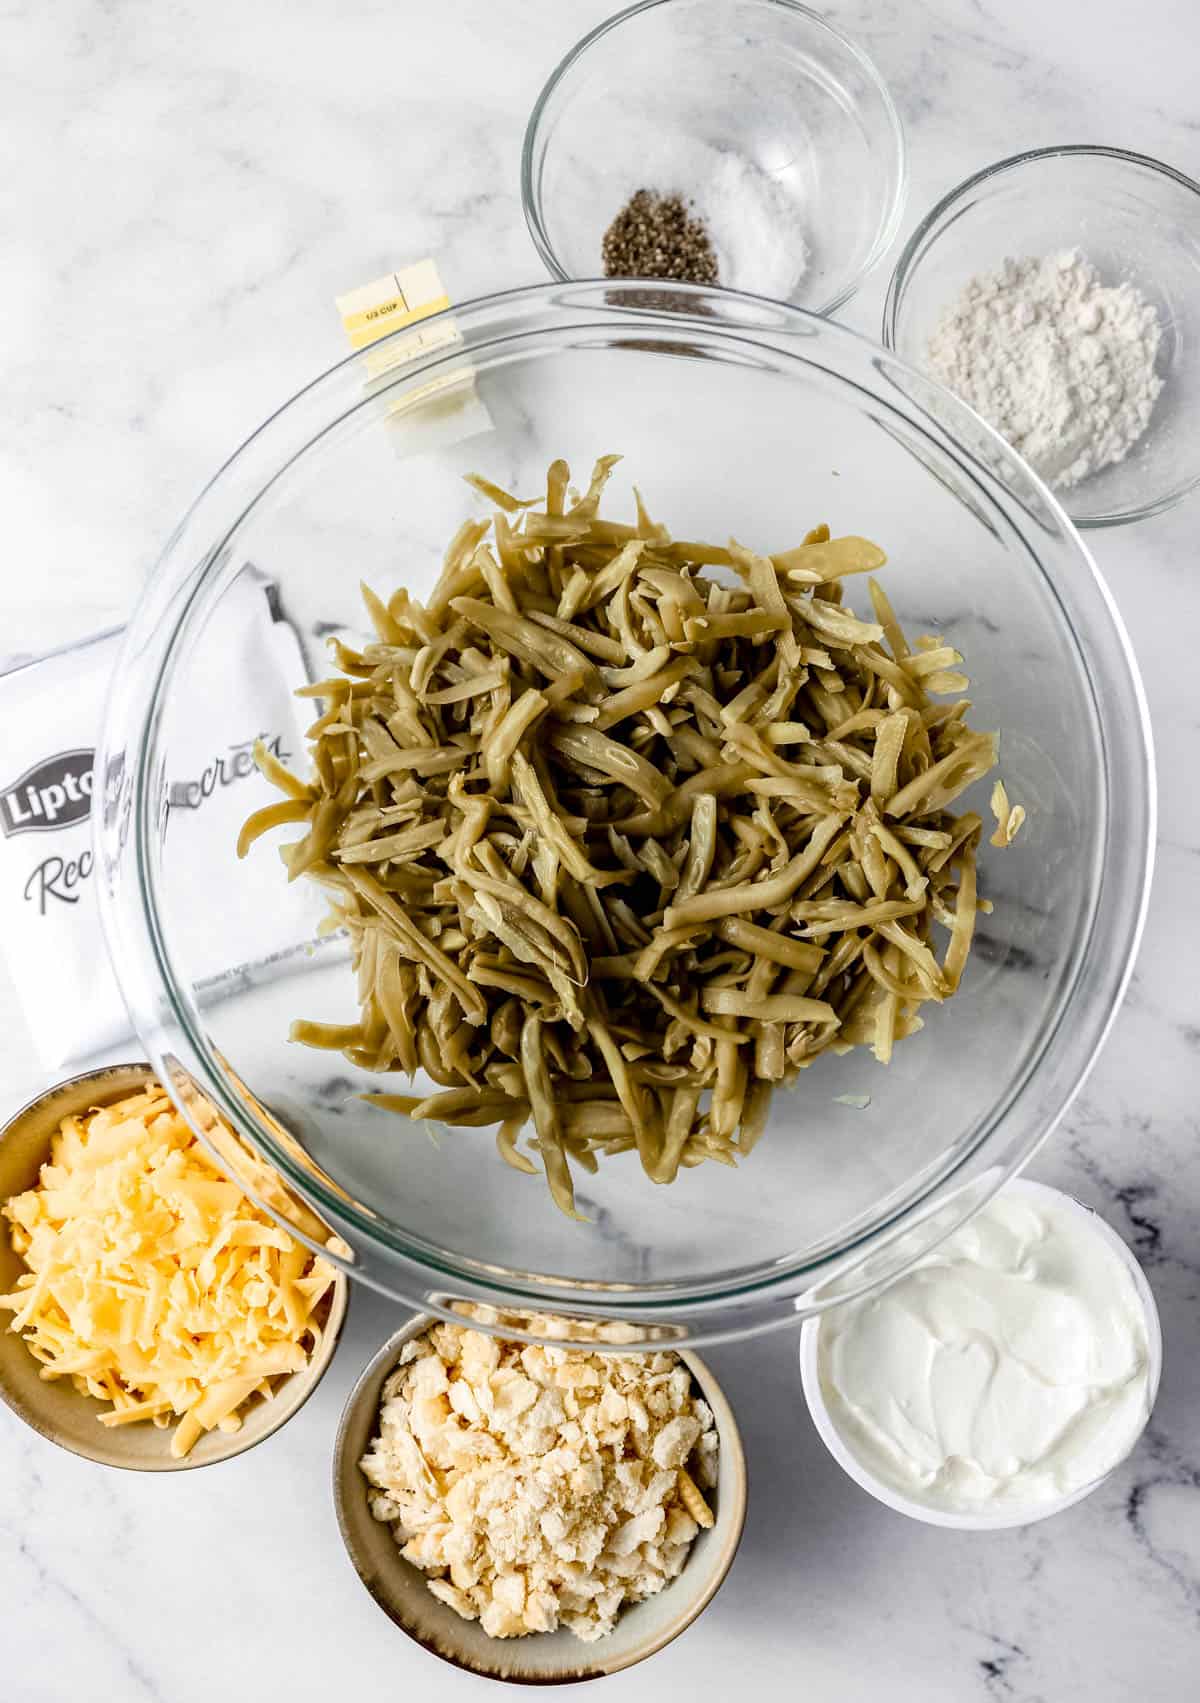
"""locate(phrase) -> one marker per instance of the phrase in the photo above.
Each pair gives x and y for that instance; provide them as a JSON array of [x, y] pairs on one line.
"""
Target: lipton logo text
[[53, 794]]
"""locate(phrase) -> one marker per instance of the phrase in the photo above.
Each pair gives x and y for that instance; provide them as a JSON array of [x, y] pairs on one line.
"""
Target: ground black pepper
[[655, 236]]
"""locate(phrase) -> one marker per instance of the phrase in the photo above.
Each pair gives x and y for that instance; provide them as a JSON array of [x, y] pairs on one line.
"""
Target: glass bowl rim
[[766, 1289], [913, 252], [893, 212]]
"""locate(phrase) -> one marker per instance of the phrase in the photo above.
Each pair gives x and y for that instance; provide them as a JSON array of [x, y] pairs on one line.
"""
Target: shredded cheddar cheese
[[153, 1282]]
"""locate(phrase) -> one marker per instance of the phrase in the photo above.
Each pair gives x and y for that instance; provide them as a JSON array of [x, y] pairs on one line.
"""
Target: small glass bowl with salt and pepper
[[741, 142], [1058, 293]]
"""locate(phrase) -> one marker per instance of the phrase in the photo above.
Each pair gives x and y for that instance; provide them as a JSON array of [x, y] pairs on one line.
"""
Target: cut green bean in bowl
[[622, 845]]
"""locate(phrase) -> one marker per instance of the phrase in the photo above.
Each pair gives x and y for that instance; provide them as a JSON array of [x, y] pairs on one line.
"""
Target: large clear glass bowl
[[736, 416]]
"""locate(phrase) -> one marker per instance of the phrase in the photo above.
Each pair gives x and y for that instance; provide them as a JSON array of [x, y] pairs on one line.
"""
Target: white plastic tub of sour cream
[[1000, 1379]]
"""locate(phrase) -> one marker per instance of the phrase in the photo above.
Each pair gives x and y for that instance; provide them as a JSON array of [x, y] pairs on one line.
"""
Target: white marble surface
[[187, 188]]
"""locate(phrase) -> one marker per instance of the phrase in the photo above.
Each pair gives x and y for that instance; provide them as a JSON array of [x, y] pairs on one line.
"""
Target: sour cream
[[1010, 1368]]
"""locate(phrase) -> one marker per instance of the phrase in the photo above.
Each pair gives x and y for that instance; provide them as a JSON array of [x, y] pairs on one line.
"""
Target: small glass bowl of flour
[[1058, 293]]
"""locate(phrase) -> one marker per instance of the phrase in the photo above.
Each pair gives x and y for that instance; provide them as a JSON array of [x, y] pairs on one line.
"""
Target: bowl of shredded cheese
[[151, 1316]]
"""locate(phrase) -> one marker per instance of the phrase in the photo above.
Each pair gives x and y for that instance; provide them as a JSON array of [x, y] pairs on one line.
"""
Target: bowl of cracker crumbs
[[535, 1514], [745, 143]]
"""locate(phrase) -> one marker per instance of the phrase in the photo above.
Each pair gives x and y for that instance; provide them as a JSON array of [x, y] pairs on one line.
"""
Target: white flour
[[1059, 363]]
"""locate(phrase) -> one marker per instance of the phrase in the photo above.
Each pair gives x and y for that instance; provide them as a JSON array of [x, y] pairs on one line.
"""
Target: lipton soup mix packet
[[231, 927]]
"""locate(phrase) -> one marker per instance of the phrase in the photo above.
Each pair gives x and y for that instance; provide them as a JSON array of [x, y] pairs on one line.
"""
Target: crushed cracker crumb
[[540, 1487]]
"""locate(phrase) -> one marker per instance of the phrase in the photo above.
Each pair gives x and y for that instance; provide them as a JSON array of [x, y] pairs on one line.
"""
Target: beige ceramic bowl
[[553, 1658], [56, 1409]]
